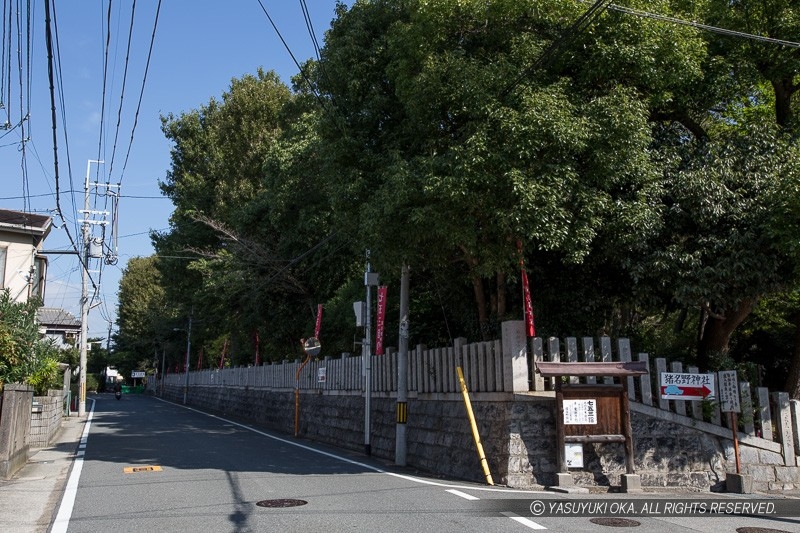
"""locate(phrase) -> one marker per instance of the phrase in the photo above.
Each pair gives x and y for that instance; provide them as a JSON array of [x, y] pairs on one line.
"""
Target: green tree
[[25, 356], [145, 317], [445, 163], [251, 230]]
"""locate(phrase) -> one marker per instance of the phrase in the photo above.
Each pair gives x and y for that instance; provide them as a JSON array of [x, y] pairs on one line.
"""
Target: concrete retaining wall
[[517, 433]]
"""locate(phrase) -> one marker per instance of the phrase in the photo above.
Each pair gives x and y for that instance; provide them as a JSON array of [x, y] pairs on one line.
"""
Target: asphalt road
[[150, 465]]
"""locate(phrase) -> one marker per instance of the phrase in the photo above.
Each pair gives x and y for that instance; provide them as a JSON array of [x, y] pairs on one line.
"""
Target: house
[[60, 326], [23, 269]]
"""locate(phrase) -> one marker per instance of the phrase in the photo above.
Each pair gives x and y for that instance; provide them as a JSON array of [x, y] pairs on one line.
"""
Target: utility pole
[[86, 232], [400, 451], [370, 279], [188, 351]]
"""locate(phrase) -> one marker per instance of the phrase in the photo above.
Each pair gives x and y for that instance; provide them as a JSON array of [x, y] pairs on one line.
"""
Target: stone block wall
[[45, 424], [517, 432]]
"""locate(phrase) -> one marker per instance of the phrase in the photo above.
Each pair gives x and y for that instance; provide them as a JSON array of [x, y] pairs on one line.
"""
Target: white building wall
[[18, 264]]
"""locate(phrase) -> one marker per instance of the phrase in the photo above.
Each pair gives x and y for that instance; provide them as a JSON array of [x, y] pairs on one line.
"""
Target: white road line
[[522, 520], [61, 522], [462, 494], [357, 463]]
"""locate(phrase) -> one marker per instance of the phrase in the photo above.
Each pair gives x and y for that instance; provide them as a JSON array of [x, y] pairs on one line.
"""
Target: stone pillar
[[784, 418], [515, 356]]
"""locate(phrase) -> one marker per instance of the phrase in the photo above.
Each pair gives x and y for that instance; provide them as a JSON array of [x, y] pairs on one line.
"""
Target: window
[[39, 275]]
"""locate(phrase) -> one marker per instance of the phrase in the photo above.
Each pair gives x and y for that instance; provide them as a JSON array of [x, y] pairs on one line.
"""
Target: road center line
[[462, 494], [522, 520]]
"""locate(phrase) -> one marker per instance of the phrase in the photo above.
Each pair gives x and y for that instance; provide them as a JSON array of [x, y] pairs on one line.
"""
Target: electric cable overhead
[[310, 27], [706, 27], [560, 45], [141, 92], [54, 121], [63, 109], [122, 91], [305, 77]]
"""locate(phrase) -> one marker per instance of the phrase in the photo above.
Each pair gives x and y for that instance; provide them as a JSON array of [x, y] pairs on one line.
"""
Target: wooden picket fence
[[429, 371], [433, 370]]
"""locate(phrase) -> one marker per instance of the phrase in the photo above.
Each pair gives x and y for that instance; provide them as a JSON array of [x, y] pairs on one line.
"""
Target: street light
[[188, 349]]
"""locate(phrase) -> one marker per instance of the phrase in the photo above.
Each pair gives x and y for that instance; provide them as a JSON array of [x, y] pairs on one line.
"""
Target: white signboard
[[729, 392], [580, 412], [574, 455], [137, 373], [686, 386], [322, 375]]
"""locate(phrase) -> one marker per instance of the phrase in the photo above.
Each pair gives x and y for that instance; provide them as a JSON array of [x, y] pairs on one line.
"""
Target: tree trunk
[[784, 89], [793, 379], [480, 301], [715, 335], [502, 305]]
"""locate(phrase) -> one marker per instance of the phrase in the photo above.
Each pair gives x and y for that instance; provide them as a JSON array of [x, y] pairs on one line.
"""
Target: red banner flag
[[380, 320], [530, 330], [319, 321]]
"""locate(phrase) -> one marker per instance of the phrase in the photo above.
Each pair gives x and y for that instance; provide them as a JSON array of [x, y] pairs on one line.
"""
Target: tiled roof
[[50, 316], [19, 218]]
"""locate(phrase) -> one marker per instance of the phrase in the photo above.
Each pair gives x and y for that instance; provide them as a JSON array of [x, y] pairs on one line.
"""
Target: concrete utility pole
[[86, 233], [402, 374], [188, 351], [370, 279]]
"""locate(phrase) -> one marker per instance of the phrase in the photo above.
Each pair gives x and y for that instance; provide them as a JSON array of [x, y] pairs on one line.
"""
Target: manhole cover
[[758, 530], [281, 503], [614, 522]]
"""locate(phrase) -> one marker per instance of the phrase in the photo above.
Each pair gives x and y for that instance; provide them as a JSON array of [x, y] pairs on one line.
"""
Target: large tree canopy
[[645, 168]]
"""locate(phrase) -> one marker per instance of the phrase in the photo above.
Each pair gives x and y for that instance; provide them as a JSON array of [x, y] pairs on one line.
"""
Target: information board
[[580, 412], [729, 392]]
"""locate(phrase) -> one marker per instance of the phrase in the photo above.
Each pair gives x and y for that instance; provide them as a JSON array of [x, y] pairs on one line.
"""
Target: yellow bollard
[[475, 434]]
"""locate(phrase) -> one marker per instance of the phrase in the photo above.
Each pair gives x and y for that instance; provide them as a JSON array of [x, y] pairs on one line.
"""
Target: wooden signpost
[[589, 413]]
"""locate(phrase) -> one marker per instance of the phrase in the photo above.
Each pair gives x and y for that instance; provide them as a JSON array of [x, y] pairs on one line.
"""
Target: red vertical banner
[[255, 340], [530, 330], [380, 320], [200, 359], [319, 321]]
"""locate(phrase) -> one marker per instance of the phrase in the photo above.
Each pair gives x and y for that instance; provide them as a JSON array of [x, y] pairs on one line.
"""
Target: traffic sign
[[685, 386]]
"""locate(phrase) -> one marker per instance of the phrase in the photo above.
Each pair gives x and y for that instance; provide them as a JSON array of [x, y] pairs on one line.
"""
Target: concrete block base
[[565, 483], [739, 483], [564, 480], [631, 483]]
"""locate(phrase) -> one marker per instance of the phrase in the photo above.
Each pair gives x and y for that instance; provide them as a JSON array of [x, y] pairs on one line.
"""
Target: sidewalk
[[30, 500]]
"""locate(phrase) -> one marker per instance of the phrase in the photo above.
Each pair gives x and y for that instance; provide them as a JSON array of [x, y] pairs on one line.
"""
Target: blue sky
[[200, 45]]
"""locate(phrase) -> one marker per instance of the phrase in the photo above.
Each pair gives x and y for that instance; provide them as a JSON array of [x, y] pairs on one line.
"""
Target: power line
[[122, 91], [305, 77], [706, 27], [141, 93], [560, 44]]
